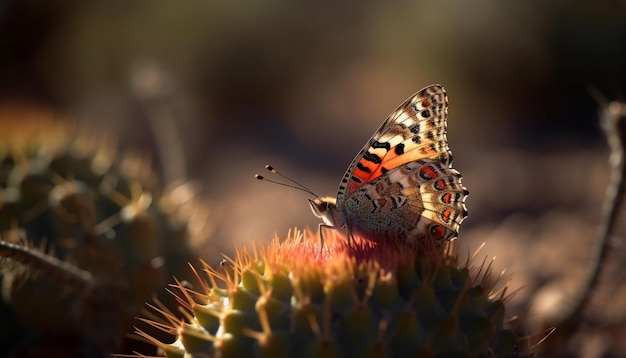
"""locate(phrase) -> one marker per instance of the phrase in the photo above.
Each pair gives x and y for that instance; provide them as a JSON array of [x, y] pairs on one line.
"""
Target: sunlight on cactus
[[376, 299]]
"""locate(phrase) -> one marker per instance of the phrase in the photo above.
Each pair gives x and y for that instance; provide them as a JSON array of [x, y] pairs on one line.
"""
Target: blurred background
[[302, 85]]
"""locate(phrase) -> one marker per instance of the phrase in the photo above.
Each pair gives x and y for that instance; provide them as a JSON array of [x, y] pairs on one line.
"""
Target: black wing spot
[[414, 128], [399, 149], [356, 179], [384, 145], [371, 157], [383, 170], [425, 113], [394, 202], [364, 168], [416, 139]]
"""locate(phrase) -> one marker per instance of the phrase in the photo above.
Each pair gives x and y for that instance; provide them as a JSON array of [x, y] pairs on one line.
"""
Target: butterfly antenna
[[294, 184]]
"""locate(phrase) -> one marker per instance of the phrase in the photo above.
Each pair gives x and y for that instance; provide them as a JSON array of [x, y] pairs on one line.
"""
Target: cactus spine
[[376, 300]]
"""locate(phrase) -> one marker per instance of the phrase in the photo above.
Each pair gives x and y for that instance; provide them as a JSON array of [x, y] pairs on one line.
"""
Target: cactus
[[87, 235], [385, 299]]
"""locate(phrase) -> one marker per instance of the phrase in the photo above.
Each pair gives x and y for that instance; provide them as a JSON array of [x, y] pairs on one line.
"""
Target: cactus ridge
[[276, 301], [87, 234]]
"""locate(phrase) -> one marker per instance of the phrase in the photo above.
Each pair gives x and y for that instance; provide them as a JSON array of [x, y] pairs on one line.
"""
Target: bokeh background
[[302, 85]]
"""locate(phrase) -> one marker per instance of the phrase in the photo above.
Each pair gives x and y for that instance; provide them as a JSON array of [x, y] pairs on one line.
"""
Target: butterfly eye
[[322, 207], [318, 206]]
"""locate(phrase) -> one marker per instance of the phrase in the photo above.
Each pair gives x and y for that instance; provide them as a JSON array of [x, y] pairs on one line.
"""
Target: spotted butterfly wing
[[401, 183]]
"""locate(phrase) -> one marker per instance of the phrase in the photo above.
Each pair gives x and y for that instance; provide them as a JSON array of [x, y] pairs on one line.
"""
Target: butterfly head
[[325, 208]]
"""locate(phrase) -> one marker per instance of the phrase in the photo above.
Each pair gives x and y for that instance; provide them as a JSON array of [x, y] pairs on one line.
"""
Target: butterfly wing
[[415, 130], [422, 199]]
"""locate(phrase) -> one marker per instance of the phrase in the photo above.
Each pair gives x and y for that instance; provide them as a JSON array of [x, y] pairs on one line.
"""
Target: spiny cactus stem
[[183, 301], [51, 266], [172, 324], [613, 122]]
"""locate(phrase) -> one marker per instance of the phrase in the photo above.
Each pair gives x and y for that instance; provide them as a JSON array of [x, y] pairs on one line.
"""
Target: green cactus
[[102, 239], [374, 300]]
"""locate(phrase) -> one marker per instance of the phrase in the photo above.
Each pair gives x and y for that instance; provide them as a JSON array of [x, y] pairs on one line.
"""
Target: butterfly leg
[[349, 235], [320, 229]]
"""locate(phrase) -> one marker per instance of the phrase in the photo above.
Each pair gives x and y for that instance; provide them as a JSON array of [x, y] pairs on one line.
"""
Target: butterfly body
[[401, 184]]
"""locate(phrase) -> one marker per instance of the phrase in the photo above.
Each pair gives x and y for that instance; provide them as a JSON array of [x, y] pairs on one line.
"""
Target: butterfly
[[401, 185]]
